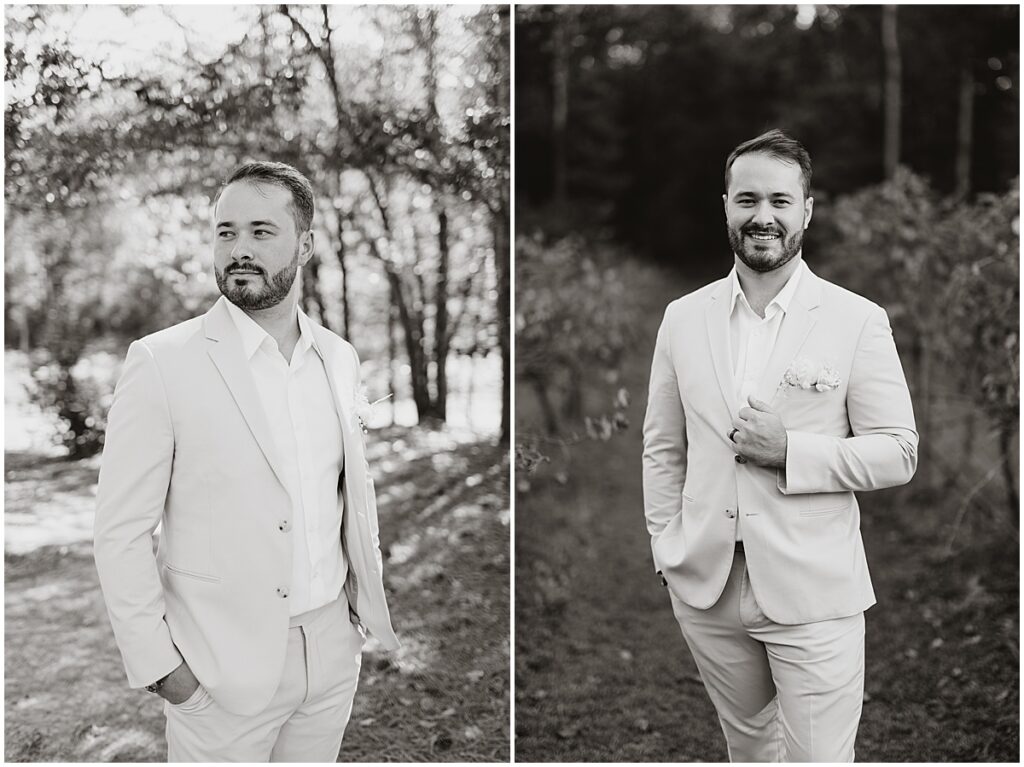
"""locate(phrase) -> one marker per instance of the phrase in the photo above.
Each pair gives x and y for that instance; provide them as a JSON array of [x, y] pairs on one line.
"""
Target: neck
[[281, 321], [761, 287]]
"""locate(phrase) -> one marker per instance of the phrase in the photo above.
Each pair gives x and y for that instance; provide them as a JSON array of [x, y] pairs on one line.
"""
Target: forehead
[[765, 174], [245, 201]]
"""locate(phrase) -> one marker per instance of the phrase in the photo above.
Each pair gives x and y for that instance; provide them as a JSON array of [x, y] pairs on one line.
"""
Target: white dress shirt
[[753, 338], [303, 420]]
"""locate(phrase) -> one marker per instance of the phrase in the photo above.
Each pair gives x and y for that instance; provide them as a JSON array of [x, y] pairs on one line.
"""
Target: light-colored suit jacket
[[188, 447], [801, 524]]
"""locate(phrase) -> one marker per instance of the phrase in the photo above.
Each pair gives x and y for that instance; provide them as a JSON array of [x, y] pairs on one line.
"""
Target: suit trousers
[[306, 718], [782, 693]]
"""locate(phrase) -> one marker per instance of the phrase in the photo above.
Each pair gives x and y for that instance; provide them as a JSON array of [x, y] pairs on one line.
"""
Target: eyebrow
[[773, 194], [251, 223]]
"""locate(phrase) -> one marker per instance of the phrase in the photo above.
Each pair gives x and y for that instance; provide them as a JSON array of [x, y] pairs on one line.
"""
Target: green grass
[[443, 697], [603, 674]]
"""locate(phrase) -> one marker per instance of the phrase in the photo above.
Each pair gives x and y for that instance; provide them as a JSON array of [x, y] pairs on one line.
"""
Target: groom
[[774, 395], [236, 433]]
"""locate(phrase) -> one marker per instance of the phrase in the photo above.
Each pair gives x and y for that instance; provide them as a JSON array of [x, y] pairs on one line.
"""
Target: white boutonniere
[[364, 408], [807, 374]]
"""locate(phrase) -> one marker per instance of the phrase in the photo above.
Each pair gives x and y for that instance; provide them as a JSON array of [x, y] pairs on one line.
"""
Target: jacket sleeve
[[883, 449], [664, 456], [134, 476], [370, 489]]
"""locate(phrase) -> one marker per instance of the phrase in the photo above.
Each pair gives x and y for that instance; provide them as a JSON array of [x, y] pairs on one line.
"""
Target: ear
[[725, 205], [306, 247], [808, 211]]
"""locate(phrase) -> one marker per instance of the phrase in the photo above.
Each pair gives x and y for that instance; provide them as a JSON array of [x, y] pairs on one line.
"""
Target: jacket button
[[284, 526], [740, 459], [283, 593], [729, 513]]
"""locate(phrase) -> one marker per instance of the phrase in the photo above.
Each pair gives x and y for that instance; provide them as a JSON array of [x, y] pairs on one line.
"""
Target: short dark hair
[[780, 145], [284, 176]]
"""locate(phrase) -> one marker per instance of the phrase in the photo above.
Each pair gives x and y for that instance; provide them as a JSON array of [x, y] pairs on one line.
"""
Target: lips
[[243, 270], [763, 236]]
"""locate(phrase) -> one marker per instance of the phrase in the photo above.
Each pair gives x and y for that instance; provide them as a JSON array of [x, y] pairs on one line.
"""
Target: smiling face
[[257, 252], [765, 211]]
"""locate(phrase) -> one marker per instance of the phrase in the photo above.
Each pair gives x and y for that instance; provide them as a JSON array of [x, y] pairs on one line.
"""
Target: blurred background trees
[[625, 116], [398, 115]]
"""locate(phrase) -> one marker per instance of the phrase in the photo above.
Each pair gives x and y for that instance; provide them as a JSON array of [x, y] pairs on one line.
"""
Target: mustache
[[241, 267], [762, 230]]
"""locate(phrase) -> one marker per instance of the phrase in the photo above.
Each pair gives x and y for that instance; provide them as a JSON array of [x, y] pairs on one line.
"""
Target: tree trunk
[[312, 299], [441, 335], [964, 131], [392, 354], [893, 98], [547, 409], [346, 328], [560, 105], [24, 331], [412, 329], [1005, 449], [573, 406], [504, 308]]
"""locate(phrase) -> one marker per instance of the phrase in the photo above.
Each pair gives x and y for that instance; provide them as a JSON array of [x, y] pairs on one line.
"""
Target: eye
[[225, 234], [267, 232], [746, 203], [781, 203]]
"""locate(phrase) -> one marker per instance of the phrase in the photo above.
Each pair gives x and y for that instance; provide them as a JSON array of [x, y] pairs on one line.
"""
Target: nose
[[763, 215], [241, 250]]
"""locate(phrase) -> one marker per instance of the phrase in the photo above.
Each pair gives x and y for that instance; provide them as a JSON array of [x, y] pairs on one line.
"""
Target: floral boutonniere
[[807, 374], [364, 408]]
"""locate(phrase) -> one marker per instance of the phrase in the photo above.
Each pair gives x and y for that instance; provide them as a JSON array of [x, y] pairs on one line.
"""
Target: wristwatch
[[155, 687]]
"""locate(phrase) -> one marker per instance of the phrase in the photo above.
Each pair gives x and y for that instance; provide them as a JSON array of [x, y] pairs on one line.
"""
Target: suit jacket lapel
[[350, 440], [716, 318], [796, 325], [226, 353]]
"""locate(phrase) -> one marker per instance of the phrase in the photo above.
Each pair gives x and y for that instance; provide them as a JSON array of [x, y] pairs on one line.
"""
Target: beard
[[763, 257], [252, 298]]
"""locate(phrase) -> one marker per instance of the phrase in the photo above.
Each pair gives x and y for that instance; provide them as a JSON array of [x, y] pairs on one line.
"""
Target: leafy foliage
[[403, 133], [948, 274], [658, 95], [574, 320]]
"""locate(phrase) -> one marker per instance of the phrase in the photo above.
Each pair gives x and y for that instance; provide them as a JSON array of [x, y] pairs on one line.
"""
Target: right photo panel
[[767, 383]]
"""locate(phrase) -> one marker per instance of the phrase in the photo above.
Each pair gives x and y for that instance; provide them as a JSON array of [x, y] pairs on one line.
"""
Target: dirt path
[[603, 674], [442, 697]]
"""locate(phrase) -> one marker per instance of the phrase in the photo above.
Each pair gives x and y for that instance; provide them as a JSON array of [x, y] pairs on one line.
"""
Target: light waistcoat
[[304, 426]]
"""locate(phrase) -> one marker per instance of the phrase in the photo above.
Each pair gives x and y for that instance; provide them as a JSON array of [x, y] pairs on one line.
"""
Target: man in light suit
[[237, 433], [774, 395]]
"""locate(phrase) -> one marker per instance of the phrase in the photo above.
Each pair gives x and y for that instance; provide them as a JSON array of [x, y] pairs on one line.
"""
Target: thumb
[[757, 404]]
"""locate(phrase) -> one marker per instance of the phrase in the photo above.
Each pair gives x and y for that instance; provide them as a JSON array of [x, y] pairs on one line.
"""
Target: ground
[[603, 674], [444, 696]]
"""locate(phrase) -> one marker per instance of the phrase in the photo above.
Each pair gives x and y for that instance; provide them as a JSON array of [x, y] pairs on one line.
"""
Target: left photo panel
[[256, 363]]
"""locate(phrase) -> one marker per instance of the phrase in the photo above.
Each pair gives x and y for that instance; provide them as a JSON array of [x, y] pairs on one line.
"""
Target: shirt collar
[[782, 298], [253, 336]]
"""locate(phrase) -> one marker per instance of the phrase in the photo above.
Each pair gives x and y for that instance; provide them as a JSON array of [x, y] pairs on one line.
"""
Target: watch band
[[158, 684]]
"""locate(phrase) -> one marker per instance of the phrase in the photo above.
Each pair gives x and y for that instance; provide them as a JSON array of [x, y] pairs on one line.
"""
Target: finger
[[760, 405], [746, 413], [738, 423]]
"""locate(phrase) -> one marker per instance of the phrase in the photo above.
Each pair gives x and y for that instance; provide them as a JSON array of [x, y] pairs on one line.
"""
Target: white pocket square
[[805, 373]]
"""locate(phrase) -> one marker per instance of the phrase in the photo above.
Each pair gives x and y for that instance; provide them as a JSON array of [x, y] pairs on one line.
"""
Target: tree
[[394, 168], [893, 102]]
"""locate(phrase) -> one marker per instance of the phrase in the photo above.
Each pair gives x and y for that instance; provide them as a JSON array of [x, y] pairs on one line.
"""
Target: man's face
[[765, 211], [256, 251]]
